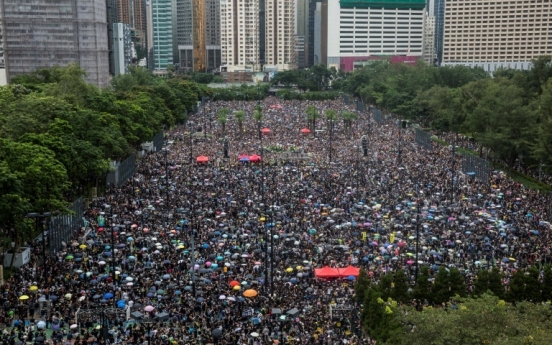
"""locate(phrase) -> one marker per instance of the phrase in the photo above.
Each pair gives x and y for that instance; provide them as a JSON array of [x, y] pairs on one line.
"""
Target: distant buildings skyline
[[268, 35]]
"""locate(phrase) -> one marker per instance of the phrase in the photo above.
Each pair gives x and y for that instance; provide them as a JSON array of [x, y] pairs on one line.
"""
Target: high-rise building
[[279, 37], [301, 32], [239, 35], [361, 30], [314, 19], [197, 44], [122, 47], [439, 14], [47, 33], [3, 76], [315, 48], [429, 40], [138, 22], [494, 33], [124, 11], [112, 13], [162, 34]]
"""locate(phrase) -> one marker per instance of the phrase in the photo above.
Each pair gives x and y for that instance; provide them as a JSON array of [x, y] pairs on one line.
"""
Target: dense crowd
[[190, 238]]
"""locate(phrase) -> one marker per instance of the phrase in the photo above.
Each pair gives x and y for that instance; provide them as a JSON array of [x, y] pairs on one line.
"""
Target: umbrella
[[23, 297], [250, 293], [234, 283], [33, 288], [149, 308], [108, 295]]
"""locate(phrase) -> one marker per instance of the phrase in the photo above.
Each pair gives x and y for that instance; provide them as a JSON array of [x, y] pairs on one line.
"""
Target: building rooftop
[[389, 4]]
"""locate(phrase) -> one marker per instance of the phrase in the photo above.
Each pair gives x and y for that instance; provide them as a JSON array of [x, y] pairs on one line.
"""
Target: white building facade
[[239, 35], [122, 47], [429, 40], [280, 35], [365, 30]]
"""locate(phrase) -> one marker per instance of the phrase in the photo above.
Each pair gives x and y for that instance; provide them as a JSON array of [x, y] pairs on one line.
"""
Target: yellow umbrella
[[250, 293], [33, 288], [289, 270], [68, 296], [262, 219], [24, 297], [83, 246], [299, 268], [180, 247], [237, 287]]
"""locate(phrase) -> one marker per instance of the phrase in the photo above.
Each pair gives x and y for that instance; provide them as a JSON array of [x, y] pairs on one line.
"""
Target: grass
[[526, 180]]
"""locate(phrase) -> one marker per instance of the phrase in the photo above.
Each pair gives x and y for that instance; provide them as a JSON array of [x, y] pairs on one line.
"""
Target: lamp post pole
[[37, 217], [417, 239]]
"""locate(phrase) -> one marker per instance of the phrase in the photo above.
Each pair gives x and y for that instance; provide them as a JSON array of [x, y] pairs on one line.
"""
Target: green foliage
[[58, 134], [474, 321], [489, 281], [400, 287], [316, 78], [203, 78], [222, 117], [242, 93], [362, 284]]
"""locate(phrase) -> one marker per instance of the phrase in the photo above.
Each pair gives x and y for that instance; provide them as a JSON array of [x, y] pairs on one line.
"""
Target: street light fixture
[[103, 314]]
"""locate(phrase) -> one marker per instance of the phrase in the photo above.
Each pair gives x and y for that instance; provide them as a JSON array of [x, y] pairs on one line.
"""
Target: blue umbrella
[[351, 278], [293, 280], [219, 258], [150, 294], [200, 299], [108, 295], [217, 233], [244, 159], [130, 239], [103, 301], [204, 246], [107, 248], [93, 281], [178, 292], [53, 297], [132, 257], [107, 254]]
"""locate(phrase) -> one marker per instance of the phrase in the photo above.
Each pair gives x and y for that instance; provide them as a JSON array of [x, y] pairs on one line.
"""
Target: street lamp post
[[37, 217], [167, 173], [103, 314], [417, 239]]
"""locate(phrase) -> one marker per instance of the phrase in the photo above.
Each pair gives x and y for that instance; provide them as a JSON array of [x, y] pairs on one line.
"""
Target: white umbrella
[[41, 324], [254, 334], [222, 297], [101, 263]]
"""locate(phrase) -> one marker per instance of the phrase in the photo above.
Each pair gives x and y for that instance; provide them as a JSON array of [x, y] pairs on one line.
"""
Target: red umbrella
[[243, 156], [202, 159], [305, 130], [265, 130], [255, 158]]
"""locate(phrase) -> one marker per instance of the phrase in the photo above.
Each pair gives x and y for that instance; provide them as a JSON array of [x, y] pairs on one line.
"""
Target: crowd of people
[[224, 251]]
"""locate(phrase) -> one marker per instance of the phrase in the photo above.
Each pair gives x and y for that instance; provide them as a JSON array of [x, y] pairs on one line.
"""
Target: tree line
[[387, 304], [59, 134], [509, 113]]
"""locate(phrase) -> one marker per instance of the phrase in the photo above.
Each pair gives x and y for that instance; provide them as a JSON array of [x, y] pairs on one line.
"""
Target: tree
[[385, 286], [517, 292], [240, 115], [547, 283], [441, 287], [222, 117], [348, 118], [362, 285], [258, 116], [484, 320], [422, 288], [489, 281], [400, 287], [312, 116]]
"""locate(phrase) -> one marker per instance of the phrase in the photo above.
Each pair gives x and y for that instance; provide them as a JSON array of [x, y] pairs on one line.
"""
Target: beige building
[[429, 39], [239, 35], [496, 33], [280, 52]]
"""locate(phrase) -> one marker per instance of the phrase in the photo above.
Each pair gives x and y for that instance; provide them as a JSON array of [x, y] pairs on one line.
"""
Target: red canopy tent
[[255, 158], [243, 155], [276, 106], [305, 130], [348, 271], [326, 272], [202, 159], [265, 130]]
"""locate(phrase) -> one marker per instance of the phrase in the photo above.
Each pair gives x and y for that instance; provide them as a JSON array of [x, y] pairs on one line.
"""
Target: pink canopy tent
[[255, 158], [348, 271], [326, 272]]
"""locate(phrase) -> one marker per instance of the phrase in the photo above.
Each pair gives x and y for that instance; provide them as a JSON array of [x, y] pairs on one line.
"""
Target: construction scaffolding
[[57, 33]]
